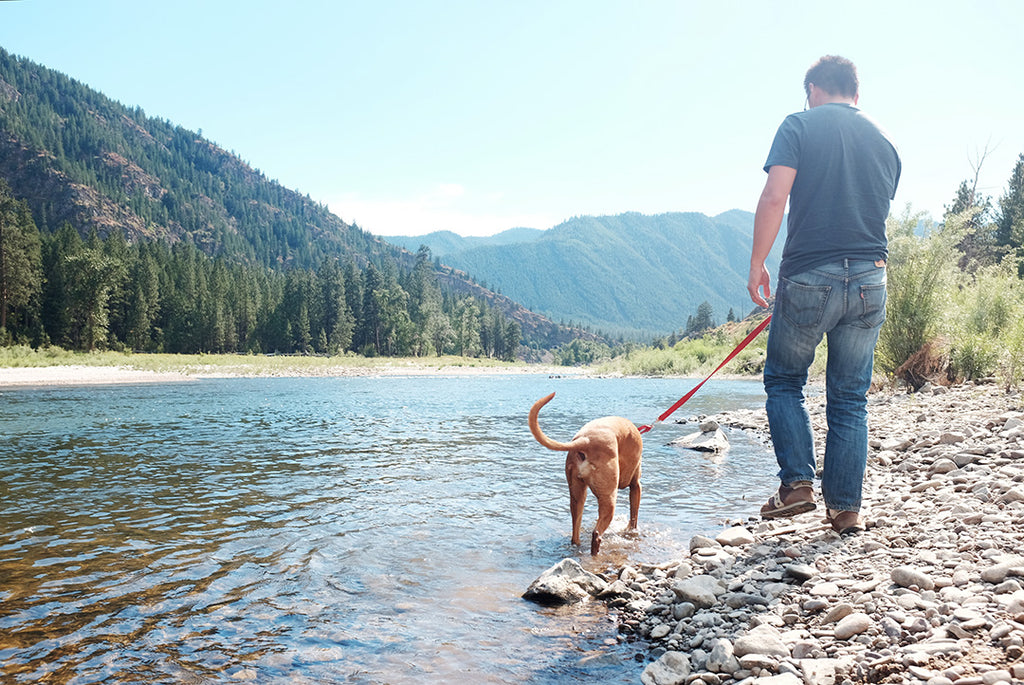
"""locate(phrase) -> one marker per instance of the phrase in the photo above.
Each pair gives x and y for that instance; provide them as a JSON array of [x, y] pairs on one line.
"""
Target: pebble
[[930, 593], [851, 625], [904, 576]]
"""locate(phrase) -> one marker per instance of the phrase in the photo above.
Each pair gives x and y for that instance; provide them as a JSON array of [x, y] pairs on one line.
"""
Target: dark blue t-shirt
[[847, 170]]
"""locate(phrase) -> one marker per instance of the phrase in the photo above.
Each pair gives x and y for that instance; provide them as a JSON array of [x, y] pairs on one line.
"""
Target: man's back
[[847, 173]]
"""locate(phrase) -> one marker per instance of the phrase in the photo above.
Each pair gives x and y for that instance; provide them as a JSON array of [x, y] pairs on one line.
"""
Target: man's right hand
[[759, 278]]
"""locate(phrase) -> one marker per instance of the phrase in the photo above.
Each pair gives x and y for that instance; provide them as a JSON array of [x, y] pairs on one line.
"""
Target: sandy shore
[[114, 375], [83, 375]]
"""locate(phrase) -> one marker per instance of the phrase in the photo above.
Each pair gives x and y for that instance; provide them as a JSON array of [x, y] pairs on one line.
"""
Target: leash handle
[[682, 400]]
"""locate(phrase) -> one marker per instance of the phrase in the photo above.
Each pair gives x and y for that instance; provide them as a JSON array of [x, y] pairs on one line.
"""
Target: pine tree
[[1010, 221], [20, 257]]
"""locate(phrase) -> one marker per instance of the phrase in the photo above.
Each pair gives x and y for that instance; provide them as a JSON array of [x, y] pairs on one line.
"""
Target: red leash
[[682, 400]]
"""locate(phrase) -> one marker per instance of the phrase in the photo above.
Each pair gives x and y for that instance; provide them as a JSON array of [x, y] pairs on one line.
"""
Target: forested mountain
[[442, 243], [632, 274], [153, 223]]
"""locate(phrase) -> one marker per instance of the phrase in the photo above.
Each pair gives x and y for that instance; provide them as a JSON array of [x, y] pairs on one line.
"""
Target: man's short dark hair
[[833, 74]]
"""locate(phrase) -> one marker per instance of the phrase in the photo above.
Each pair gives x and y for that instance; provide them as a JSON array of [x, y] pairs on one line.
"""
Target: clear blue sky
[[478, 116]]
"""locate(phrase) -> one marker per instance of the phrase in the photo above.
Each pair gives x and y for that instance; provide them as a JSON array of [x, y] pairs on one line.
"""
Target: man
[[839, 171]]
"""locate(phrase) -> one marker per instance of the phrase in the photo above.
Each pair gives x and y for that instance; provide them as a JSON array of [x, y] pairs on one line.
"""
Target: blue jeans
[[844, 301]]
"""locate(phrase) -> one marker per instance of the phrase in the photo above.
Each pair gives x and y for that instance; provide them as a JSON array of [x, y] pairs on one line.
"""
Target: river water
[[331, 530]]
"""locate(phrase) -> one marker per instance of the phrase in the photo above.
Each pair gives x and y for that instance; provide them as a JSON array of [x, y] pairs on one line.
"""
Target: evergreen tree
[[91, 275], [1010, 220], [466, 325], [20, 259], [56, 310], [115, 248], [143, 303], [336, 320], [702, 321]]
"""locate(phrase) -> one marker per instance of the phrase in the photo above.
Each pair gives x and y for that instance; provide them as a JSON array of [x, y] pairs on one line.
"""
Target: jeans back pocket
[[873, 298], [802, 305]]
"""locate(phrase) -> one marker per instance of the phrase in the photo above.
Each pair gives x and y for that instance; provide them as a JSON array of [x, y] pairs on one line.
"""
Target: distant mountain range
[[632, 275]]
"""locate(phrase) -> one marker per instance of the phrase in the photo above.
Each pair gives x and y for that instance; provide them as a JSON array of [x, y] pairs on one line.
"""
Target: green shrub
[[921, 274]]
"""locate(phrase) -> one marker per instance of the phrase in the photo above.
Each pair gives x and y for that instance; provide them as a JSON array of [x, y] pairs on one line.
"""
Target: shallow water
[[327, 530]]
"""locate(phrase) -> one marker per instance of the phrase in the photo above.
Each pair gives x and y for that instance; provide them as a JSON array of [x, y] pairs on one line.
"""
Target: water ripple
[[319, 530]]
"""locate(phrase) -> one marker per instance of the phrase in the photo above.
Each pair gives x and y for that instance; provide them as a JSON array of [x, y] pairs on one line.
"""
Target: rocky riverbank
[[930, 593]]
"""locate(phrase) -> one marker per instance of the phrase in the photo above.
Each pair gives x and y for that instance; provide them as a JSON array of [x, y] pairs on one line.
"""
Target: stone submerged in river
[[706, 441], [567, 582]]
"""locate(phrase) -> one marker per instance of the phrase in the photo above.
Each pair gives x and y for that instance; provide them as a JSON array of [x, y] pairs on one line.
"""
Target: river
[[331, 530]]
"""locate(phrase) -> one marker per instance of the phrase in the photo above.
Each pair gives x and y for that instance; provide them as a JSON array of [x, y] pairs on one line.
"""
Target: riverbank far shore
[[931, 593], [81, 374]]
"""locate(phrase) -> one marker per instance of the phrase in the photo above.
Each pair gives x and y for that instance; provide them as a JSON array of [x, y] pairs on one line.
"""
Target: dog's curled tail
[[539, 434]]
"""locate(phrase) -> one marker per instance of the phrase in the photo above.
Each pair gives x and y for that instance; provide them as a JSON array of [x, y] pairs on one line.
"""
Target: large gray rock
[[564, 583], [701, 591], [721, 659], [671, 669], [764, 639]]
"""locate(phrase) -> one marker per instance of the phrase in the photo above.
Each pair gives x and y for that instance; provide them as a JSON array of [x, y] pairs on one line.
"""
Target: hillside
[[444, 243], [78, 158], [631, 274]]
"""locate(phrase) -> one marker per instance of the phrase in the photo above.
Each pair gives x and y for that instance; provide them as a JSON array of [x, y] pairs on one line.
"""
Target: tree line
[[151, 296]]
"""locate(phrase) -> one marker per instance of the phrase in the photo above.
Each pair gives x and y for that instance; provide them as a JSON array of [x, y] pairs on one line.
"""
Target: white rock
[[672, 668], [764, 639], [996, 676], [564, 583], [820, 671], [734, 537], [712, 441], [854, 624], [701, 591], [997, 573], [906, 576], [1013, 495]]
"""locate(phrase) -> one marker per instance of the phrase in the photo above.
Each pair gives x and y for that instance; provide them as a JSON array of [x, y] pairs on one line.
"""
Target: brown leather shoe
[[845, 522], [790, 500]]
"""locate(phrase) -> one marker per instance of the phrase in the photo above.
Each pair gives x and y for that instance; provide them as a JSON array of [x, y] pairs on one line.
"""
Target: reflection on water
[[366, 530]]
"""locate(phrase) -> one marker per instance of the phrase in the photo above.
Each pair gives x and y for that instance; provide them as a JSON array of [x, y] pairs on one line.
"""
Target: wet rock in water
[[709, 441], [564, 583]]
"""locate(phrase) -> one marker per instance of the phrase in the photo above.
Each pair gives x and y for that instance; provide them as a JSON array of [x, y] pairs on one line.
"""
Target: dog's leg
[[605, 514], [577, 496], [634, 502]]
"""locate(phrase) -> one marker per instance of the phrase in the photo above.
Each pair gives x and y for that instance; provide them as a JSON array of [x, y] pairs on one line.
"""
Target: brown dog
[[604, 456]]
